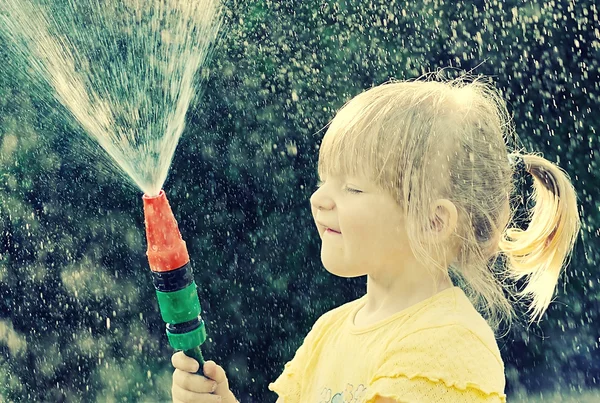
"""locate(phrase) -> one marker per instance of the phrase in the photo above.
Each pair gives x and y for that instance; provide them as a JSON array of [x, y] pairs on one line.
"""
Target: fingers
[[214, 371], [193, 383], [191, 387], [217, 373], [185, 396], [184, 363]]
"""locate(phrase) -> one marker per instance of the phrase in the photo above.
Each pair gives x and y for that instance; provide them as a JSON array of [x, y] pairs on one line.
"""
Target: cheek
[[356, 223], [386, 236]]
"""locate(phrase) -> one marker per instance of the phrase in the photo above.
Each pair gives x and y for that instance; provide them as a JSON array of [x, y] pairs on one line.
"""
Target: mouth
[[329, 230]]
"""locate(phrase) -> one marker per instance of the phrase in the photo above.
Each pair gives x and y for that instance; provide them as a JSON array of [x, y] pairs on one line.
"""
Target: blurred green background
[[79, 319]]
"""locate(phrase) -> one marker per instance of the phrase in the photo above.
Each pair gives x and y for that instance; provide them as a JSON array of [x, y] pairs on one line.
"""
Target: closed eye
[[320, 183]]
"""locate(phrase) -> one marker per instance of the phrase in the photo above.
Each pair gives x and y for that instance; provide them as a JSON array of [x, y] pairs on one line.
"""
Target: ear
[[444, 217]]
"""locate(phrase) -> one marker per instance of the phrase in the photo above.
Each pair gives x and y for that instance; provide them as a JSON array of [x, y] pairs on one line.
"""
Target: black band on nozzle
[[174, 280], [185, 327]]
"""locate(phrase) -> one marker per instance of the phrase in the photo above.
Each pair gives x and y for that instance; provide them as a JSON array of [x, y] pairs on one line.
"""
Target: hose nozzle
[[173, 279], [166, 248]]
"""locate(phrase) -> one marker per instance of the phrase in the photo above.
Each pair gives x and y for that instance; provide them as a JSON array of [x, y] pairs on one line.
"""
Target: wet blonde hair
[[421, 140]]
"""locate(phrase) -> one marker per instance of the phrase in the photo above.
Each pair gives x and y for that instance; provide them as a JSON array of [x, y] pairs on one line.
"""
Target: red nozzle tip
[[166, 248]]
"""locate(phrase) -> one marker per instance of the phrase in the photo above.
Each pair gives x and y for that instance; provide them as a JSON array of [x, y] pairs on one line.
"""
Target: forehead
[[344, 160], [345, 176]]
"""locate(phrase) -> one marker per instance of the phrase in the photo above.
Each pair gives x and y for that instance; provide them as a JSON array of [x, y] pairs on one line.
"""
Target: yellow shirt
[[438, 350]]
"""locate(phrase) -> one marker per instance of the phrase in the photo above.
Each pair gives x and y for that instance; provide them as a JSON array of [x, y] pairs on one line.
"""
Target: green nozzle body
[[181, 310]]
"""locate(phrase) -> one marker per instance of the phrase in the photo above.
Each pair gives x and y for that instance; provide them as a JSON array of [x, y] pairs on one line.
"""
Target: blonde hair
[[421, 140]]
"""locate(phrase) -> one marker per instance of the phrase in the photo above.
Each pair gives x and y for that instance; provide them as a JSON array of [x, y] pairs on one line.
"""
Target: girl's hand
[[188, 387]]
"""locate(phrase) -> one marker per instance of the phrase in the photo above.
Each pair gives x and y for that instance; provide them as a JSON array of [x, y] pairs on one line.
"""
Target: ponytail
[[540, 252]]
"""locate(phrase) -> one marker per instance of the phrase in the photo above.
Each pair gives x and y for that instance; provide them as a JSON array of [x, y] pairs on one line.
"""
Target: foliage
[[79, 317]]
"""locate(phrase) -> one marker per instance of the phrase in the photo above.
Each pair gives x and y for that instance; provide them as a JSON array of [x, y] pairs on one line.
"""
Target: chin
[[345, 275], [340, 270]]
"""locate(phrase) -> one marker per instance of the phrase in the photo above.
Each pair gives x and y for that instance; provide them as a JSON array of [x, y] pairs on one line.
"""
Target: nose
[[319, 201]]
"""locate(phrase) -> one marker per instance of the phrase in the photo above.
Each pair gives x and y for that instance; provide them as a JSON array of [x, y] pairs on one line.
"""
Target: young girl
[[415, 193]]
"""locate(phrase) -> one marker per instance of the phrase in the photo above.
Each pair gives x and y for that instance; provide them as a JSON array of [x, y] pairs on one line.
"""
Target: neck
[[391, 293]]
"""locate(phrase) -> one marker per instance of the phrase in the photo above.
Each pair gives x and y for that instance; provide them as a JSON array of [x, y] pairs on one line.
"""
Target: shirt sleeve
[[289, 384], [405, 390], [444, 364]]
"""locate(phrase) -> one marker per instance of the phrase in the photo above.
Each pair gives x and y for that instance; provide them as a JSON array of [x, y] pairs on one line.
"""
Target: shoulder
[[455, 342], [455, 339], [330, 321], [447, 363], [336, 314], [451, 353], [456, 324]]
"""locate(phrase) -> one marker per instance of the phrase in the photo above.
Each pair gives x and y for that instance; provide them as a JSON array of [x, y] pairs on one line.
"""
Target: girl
[[415, 193]]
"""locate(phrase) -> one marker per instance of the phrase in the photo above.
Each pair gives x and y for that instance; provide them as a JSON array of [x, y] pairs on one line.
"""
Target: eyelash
[[355, 191]]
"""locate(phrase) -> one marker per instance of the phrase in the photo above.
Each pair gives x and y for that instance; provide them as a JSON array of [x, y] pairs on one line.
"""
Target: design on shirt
[[350, 395]]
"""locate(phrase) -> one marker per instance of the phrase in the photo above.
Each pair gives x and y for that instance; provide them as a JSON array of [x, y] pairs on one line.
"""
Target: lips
[[328, 228]]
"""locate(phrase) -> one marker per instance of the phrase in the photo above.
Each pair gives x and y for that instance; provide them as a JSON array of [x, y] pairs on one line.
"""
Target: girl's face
[[372, 238]]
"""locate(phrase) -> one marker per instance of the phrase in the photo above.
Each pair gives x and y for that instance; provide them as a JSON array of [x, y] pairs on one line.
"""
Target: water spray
[[173, 278], [133, 106]]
